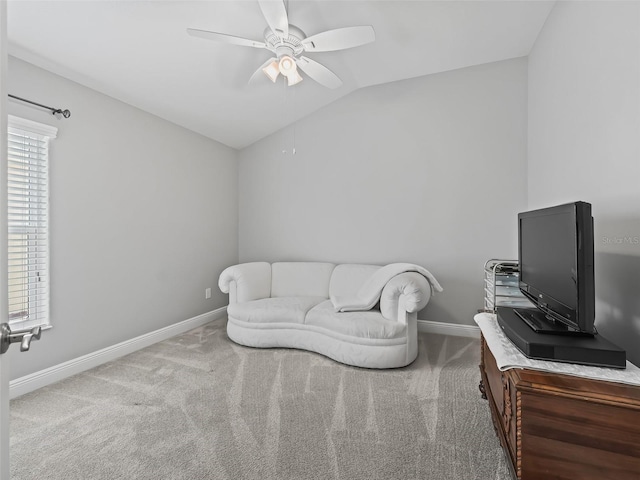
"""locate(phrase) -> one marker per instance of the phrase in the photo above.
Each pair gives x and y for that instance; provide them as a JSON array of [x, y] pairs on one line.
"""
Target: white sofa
[[288, 304]]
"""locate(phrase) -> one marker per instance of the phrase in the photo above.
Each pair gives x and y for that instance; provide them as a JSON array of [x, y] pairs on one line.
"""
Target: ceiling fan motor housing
[[290, 45]]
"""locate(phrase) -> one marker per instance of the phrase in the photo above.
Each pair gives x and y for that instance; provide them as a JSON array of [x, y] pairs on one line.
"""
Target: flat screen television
[[555, 252]]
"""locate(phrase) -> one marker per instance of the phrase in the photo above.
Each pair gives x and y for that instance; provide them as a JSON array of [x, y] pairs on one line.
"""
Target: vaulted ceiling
[[139, 52]]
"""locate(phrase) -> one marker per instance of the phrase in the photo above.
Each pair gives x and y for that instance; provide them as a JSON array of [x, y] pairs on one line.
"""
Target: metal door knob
[[25, 337]]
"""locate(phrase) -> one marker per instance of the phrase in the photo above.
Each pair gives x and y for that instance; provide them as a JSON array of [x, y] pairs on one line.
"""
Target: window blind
[[28, 217]]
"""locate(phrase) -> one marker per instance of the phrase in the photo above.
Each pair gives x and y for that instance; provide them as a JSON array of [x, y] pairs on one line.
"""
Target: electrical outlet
[[207, 293]]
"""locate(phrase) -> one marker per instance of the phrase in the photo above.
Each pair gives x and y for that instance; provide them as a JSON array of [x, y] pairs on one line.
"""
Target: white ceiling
[[139, 52]]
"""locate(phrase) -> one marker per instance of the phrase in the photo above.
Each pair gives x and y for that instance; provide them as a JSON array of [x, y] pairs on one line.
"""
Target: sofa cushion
[[268, 310], [300, 279], [348, 278], [370, 324]]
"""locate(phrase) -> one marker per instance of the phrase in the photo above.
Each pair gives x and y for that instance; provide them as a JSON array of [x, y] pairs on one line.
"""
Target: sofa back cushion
[[300, 279], [347, 279]]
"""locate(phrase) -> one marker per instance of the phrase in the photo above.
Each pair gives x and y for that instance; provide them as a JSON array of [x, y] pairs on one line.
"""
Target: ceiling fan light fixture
[[272, 71], [287, 65], [294, 78], [289, 69]]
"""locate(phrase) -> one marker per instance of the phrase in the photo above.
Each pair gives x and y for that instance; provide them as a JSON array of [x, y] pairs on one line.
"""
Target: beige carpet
[[201, 407]]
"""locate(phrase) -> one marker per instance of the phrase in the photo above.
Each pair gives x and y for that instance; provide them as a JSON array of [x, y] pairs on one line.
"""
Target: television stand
[[560, 427], [539, 322]]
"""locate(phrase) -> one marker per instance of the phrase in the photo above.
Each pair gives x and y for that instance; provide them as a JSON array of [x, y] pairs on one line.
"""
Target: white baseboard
[[448, 329], [50, 375]]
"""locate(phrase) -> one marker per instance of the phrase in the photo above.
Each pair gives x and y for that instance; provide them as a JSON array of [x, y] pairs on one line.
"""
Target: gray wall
[[429, 170], [584, 144], [143, 219]]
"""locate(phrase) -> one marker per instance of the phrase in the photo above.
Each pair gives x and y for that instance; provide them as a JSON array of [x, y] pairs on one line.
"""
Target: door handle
[[25, 337]]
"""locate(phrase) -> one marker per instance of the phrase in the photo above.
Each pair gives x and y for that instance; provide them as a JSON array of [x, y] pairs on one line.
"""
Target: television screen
[[556, 267], [548, 256]]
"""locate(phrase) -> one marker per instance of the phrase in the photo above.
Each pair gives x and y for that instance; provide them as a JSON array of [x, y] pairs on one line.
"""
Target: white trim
[[448, 329], [45, 377], [33, 127]]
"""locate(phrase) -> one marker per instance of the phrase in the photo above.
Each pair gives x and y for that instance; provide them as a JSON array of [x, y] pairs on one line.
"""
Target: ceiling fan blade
[[259, 71], [318, 72], [339, 39], [223, 37], [276, 16]]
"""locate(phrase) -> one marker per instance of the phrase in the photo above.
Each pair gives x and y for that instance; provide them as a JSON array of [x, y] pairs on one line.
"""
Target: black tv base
[[539, 322], [596, 351]]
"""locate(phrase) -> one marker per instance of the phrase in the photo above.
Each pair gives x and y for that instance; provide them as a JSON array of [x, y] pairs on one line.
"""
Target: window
[[28, 214]]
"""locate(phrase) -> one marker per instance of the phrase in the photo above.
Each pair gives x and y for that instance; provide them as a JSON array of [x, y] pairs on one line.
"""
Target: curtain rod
[[64, 113]]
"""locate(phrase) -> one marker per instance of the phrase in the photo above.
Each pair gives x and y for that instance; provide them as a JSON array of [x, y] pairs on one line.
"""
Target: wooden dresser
[[555, 426]]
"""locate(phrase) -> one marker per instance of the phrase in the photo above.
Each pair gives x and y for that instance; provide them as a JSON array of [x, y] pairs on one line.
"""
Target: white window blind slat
[[28, 222]]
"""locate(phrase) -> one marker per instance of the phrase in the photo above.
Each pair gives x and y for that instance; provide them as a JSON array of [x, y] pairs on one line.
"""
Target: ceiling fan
[[288, 43]]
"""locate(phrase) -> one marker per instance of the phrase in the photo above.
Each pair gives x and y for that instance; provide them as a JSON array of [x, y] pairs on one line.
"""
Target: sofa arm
[[246, 281], [409, 292]]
